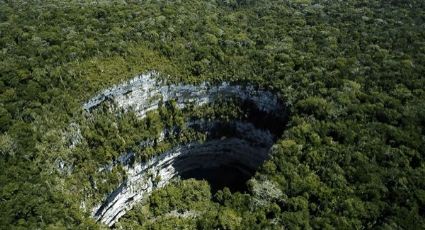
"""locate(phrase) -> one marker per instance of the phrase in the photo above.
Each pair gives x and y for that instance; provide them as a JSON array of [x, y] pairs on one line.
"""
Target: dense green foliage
[[351, 73]]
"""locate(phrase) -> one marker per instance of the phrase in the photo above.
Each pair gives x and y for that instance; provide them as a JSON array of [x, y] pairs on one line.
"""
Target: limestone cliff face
[[143, 93], [246, 149], [249, 148]]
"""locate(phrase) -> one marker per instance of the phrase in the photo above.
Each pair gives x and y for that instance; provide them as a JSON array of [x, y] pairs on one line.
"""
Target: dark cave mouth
[[234, 149], [229, 175], [229, 157]]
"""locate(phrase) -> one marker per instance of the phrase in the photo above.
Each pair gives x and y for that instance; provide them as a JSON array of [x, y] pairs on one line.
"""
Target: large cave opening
[[229, 158], [228, 175], [222, 163], [224, 134]]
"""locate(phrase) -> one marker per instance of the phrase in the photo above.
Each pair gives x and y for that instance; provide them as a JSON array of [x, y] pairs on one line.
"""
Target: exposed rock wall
[[144, 92], [249, 147]]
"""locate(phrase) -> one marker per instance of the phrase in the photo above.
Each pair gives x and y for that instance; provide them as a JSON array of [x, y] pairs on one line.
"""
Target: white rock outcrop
[[144, 93]]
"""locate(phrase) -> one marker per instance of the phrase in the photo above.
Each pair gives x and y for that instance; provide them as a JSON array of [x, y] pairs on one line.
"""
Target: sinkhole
[[229, 156]]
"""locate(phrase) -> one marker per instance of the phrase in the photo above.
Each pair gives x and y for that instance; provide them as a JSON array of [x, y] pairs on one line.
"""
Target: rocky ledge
[[145, 92]]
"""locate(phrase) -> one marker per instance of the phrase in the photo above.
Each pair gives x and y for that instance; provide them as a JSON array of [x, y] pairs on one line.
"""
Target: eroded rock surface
[[144, 93]]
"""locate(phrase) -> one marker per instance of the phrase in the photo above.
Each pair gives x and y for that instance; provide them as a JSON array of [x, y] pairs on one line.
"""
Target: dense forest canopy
[[350, 72]]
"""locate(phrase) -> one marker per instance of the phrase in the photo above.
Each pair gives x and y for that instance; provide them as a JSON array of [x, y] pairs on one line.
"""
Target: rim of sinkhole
[[220, 133]]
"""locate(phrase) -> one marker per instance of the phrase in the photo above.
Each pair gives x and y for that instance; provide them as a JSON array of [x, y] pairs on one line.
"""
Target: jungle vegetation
[[351, 73]]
